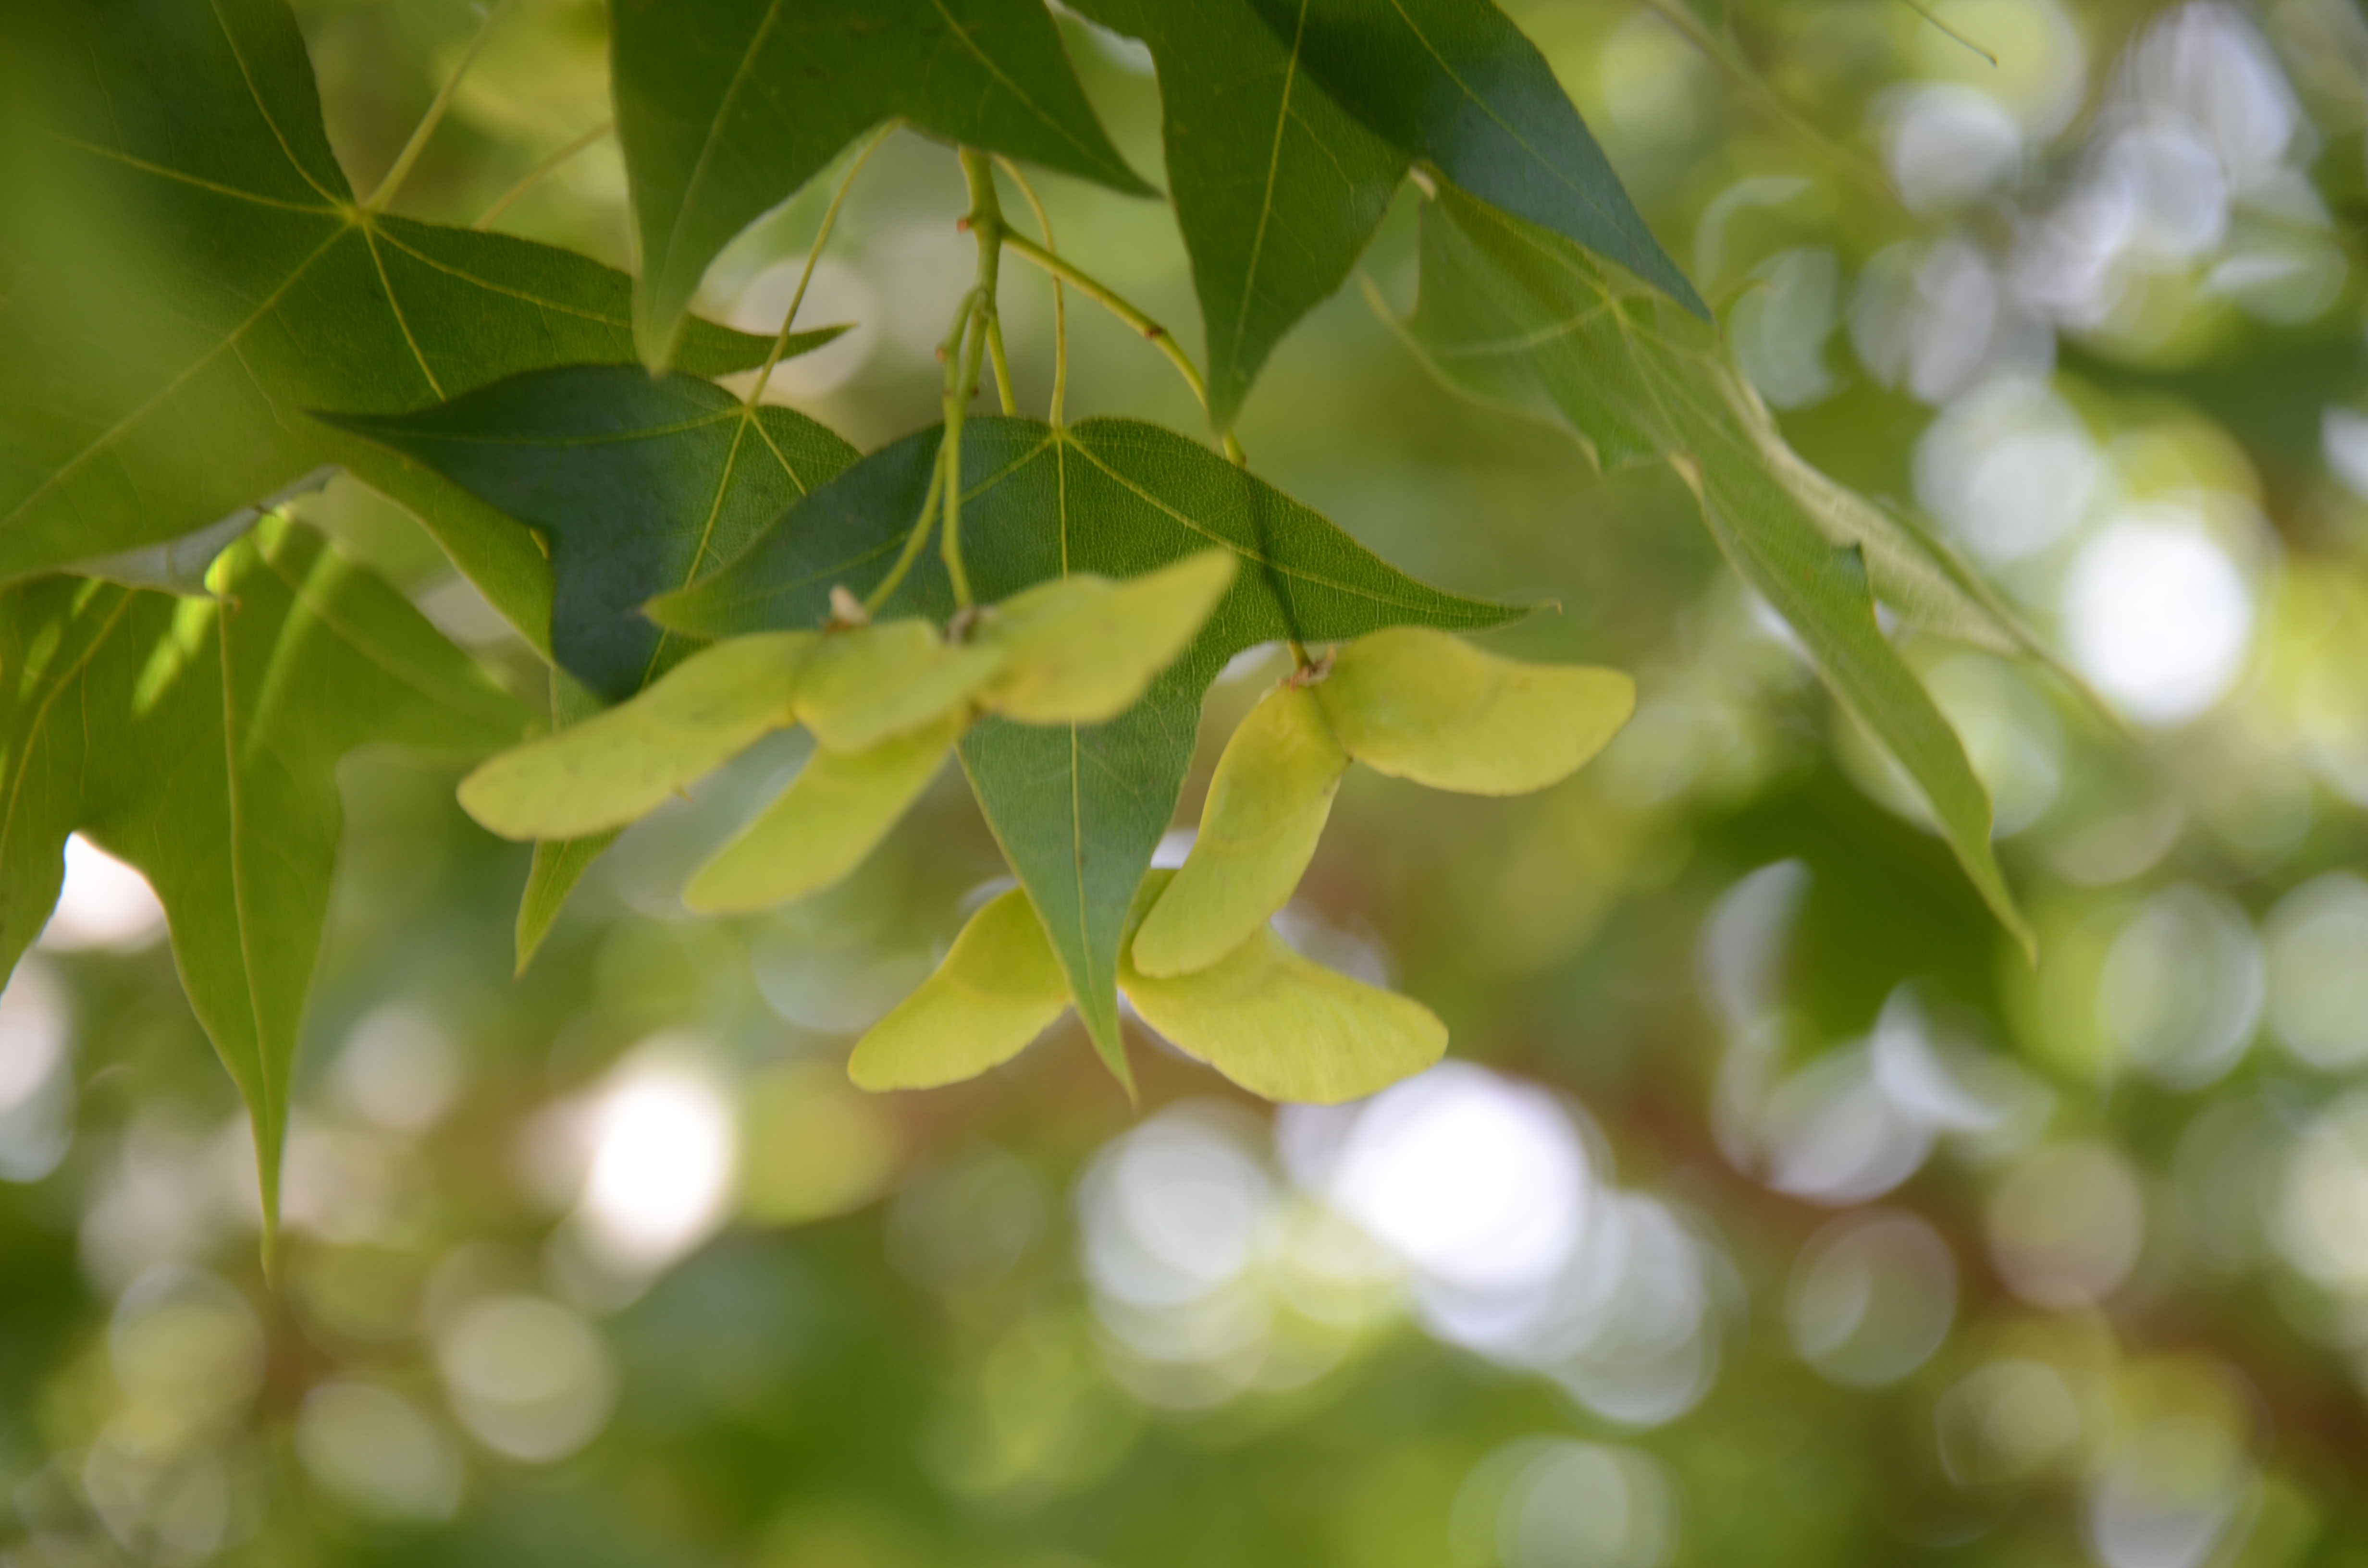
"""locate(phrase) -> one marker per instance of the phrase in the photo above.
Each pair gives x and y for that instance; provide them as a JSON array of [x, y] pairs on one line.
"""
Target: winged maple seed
[[1198, 961], [885, 702]]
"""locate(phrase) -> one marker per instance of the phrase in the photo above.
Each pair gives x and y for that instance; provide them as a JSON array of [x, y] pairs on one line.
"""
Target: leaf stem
[[813, 254], [1060, 291], [1118, 306], [542, 172], [393, 183], [960, 351], [985, 224], [913, 541]]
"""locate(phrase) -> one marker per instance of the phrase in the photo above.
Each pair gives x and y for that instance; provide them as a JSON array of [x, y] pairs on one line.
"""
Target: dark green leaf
[[199, 739], [218, 279], [1277, 188], [1512, 312], [726, 107], [1077, 809], [641, 485], [1455, 83]]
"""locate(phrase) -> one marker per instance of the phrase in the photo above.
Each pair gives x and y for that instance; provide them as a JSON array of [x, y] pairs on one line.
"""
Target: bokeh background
[[1770, 1210]]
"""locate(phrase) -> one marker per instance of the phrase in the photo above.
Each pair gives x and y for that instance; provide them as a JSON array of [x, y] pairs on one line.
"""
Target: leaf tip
[[1109, 1044], [670, 612], [2025, 939], [656, 334], [1680, 289], [533, 924]]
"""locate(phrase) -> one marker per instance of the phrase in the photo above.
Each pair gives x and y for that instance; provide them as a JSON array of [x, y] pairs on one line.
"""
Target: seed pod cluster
[[1198, 959], [885, 703]]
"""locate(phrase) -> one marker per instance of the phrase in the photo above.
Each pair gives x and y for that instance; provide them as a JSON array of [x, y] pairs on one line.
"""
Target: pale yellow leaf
[[834, 814], [1427, 706], [998, 989], [1282, 1026], [867, 683], [610, 770], [1266, 806], [1081, 650]]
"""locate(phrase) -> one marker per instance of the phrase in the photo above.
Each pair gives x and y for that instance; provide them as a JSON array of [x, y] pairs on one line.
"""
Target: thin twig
[[1060, 291], [984, 222], [393, 183], [1118, 306], [542, 172], [813, 254]]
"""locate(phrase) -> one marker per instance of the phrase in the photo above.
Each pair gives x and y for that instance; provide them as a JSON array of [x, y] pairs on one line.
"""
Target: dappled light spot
[[379, 1451], [2180, 993], [2318, 941], [2009, 468], [530, 1379], [186, 1347], [2323, 1221], [2170, 1495], [663, 1146], [37, 1091], [1554, 1502], [1872, 1297], [103, 903], [2066, 1224], [1476, 1181], [2158, 616], [399, 1070], [1947, 144], [2009, 1421]]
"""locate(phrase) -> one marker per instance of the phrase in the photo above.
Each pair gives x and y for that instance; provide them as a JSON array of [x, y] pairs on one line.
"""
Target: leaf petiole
[[1060, 293], [953, 351], [1118, 306], [960, 351], [813, 254], [913, 541]]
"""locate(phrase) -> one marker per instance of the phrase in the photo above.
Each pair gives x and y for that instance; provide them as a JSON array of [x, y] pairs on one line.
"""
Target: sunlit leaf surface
[[199, 739]]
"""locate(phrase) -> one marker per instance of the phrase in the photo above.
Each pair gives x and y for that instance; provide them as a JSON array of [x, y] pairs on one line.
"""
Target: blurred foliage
[[1774, 1210]]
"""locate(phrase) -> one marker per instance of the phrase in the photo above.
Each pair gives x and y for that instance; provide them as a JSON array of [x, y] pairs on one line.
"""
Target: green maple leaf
[[1290, 123], [1078, 810], [199, 739], [726, 107], [1455, 83], [1277, 188], [639, 484], [203, 276], [1512, 313]]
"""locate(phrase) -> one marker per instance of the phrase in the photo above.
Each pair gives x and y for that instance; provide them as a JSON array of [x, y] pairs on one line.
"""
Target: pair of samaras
[[1416, 704], [1198, 959], [885, 703], [1270, 1020]]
